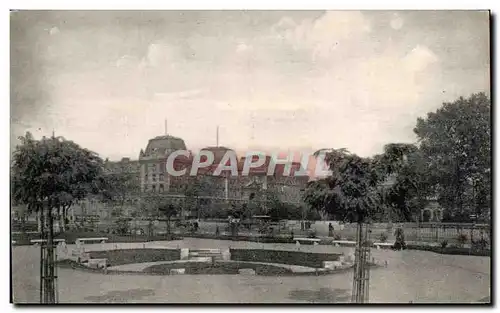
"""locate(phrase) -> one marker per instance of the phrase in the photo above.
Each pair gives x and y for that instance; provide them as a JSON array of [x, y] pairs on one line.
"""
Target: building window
[[154, 177], [162, 188], [154, 188], [162, 177]]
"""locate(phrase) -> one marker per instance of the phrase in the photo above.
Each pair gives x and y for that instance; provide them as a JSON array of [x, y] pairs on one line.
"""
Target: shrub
[[337, 237], [462, 239], [283, 257], [312, 234], [480, 244], [128, 256], [383, 237], [444, 244]]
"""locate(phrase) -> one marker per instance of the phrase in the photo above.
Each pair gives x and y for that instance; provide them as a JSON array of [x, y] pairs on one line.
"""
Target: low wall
[[129, 256], [283, 257]]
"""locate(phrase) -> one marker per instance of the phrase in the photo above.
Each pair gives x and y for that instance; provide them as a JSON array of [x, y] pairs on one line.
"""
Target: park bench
[[84, 240], [27, 232], [379, 245], [97, 263], [344, 242], [39, 241], [301, 240]]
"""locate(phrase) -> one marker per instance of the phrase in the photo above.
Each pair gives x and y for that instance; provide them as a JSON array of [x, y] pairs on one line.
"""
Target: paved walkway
[[417, 276]]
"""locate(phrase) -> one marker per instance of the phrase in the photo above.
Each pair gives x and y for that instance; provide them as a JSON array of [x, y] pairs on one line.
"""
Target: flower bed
[[203, 268], [283, 257]]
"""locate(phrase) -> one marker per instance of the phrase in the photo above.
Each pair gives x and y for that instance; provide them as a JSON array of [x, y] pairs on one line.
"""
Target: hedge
[[263, 239], [70, 237], [283, 257], [130, 256], [450, 250]]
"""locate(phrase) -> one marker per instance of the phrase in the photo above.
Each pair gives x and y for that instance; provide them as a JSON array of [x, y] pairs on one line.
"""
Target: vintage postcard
[[250, 157]]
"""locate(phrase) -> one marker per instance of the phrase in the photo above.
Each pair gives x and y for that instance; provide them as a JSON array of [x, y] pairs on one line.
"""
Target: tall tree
[[45, 174], [117, 188], [318, 196], [197, 187], [160, 206], [351, 192], [404, 186], [456, 142]]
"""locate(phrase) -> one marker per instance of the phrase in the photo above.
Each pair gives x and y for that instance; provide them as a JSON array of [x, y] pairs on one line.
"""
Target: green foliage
[[480, 244], [456, 144], [122, 226], [351, 192], [444, 244], [198, 186], [118, 187], [462, 239], [452, 161], [383, 237], [53, 171]]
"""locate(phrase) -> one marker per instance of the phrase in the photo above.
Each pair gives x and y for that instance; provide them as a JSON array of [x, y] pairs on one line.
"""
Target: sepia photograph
[[250, 157]]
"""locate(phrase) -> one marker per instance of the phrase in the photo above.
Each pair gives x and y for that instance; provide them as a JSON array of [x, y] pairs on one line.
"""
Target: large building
[[211, 191]]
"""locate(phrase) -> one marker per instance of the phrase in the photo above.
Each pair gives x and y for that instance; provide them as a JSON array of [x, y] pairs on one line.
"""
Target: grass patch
[[308, 259], [130, 256]]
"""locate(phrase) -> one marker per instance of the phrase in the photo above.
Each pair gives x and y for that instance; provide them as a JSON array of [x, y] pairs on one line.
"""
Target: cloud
[[243, 47], [318, 79], [54, 31], [322, 35], [419, 59], [396, 22]]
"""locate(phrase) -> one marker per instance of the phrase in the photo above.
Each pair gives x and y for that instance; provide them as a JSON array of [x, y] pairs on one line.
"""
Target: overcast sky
[[271, 79]]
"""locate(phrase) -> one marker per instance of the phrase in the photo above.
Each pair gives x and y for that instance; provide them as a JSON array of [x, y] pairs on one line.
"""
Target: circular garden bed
[[264, 262], [217, 268]]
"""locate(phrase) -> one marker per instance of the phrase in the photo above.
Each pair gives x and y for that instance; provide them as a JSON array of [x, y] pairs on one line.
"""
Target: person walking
[[330, 230]]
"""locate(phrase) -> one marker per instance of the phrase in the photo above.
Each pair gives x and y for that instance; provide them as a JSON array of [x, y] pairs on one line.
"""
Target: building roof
[[218, 152], [164, 145]]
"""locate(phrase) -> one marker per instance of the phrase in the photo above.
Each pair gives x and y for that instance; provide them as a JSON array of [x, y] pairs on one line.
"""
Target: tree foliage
[[404, 191], [350, 191], [456, 144], [452, 162], [52, 173], [116, 189], [158, 206]]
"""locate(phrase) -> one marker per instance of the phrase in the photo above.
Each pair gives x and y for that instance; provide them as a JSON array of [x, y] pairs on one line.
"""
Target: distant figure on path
[[330, 230]]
